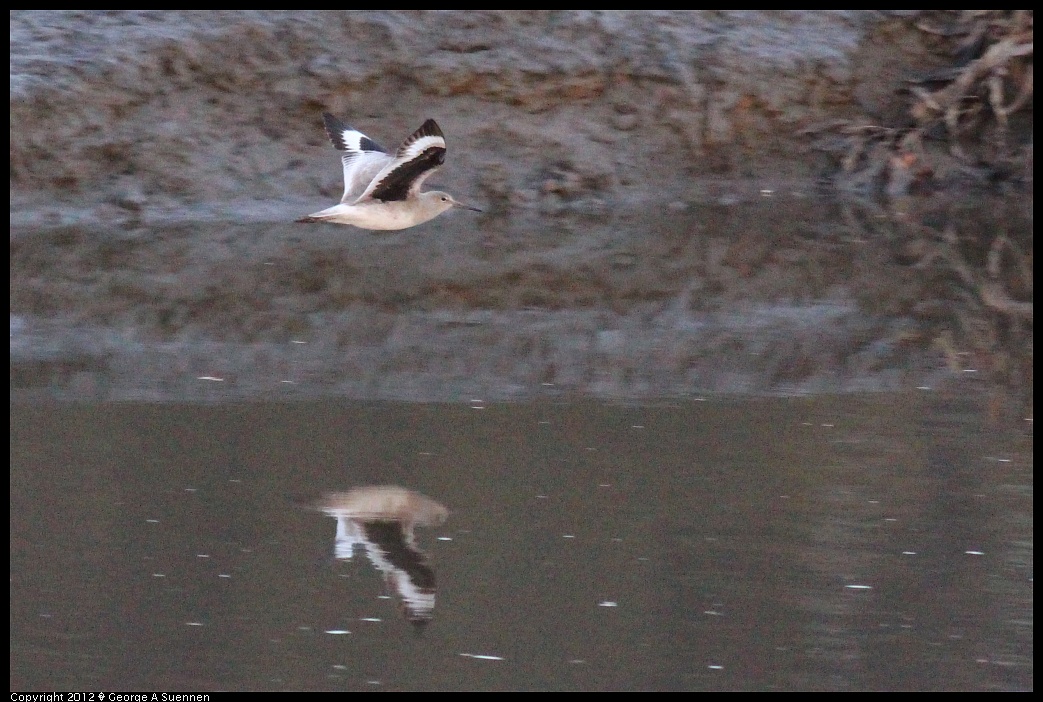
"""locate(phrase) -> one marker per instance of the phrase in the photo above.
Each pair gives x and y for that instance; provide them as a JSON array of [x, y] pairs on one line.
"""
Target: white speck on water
[[608, 603], [859, 587], [482, 656], [337, 632]]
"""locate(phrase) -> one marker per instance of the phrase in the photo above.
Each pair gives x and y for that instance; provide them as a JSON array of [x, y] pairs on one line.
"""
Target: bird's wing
[[362, 157], [418, 157]]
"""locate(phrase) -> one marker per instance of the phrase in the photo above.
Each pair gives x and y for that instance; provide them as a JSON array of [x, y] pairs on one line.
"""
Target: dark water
[[848, 543], [774, 445]]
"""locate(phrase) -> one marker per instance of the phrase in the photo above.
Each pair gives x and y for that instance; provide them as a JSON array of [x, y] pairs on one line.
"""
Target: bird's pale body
[[390, 215], [382, 191]]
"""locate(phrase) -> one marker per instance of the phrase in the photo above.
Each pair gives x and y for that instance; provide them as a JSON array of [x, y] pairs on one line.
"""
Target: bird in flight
[[382, 190]]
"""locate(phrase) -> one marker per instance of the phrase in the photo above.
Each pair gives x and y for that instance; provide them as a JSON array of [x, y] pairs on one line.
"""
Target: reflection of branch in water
[[990, 290], [994, 296], [993, 293], [985, 293]]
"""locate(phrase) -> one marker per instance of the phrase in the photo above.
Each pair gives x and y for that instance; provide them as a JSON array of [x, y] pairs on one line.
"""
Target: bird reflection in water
[[380, 520]]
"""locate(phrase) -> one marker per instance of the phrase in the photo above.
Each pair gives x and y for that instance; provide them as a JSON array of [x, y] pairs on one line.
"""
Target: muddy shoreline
[[152, 115]]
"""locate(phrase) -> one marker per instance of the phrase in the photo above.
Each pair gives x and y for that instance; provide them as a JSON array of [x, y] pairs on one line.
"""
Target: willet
[[381, 520], [382, 191]]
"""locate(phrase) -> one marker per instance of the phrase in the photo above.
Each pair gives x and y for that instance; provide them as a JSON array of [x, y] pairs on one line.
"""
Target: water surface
[[782, 444], [880, 542]]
